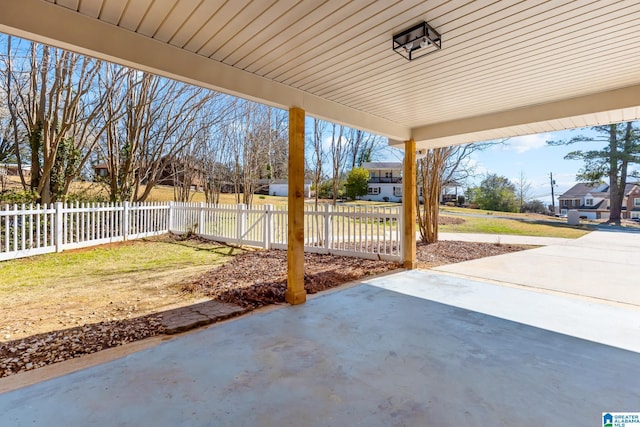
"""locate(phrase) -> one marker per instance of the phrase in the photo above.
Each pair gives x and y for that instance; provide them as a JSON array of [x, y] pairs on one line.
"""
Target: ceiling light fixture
[[417, 41]]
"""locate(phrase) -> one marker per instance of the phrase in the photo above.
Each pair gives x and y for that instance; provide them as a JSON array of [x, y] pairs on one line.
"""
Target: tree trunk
[[614, 188]]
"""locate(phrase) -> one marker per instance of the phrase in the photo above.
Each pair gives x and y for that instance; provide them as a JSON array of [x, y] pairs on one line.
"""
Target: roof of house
[[632, 187], [582, 188], [601, 205], [382, 165]]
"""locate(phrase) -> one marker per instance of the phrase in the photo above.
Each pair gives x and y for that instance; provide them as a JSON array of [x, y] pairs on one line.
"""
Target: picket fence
[[366, 232]]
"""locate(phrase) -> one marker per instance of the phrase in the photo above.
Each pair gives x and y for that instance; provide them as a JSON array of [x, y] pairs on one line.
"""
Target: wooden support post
[[409, 205], [295, 244]]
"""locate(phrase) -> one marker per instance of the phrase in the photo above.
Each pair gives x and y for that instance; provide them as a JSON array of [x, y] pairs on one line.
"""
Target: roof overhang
[[506, 68]]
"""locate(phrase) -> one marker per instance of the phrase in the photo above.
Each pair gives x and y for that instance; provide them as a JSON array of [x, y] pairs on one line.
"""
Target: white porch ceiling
[[507, 67]]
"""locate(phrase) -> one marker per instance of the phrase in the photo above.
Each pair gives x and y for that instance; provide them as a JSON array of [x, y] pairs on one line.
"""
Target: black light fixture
[[417, 41]]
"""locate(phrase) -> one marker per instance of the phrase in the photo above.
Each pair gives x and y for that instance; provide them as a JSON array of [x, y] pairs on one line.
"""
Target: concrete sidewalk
[[602, 265]]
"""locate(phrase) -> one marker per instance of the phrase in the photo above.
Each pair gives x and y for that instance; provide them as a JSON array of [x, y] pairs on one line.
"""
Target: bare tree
[[258, 149], [523, 190], [151, 121], [362, 147], [213, 159], [11, 108], [52, 99], [317, 156], [338, 153], [6, 131]]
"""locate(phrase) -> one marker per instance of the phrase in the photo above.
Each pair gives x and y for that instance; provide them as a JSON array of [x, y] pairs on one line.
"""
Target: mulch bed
[[256, 279]]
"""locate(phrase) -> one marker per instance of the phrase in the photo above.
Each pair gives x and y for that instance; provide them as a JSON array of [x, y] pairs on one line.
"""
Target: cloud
[[522, 144]]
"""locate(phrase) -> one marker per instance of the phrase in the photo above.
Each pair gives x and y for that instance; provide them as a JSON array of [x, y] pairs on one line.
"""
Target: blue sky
[[535, 159]]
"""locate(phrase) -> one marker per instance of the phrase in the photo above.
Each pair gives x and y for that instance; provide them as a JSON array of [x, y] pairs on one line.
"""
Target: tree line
[[62, 114]]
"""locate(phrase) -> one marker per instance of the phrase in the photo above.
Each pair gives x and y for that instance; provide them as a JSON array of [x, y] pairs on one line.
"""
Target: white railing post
[[327, 225], [401, 240], [59, 223], [240, 222], [201, 219], [268, 226], [125, 220], [171, 217]]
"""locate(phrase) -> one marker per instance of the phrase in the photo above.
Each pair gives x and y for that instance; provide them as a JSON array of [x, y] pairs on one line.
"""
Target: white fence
[[367, 232]]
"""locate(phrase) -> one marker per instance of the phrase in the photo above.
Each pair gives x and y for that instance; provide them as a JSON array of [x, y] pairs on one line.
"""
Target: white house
[[281, 188], [385, 181]]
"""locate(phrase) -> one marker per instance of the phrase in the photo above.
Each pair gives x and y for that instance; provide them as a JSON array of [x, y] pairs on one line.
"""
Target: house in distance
[[385, 181]]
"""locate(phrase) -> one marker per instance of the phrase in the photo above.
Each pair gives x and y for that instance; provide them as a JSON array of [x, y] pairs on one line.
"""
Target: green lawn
[[521, 227], [134, 259], [110, 282]]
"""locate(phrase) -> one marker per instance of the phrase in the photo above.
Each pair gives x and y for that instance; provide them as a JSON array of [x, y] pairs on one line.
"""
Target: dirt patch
[[449, 220], [252, 279]]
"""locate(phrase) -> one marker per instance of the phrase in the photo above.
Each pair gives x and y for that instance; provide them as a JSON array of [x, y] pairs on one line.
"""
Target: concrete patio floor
[[414, 348]]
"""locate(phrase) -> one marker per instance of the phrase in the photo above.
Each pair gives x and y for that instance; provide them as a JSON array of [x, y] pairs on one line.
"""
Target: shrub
[[18, 197]]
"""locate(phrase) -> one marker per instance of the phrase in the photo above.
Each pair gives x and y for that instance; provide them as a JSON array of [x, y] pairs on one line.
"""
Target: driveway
[[414, 348], [603, 265]]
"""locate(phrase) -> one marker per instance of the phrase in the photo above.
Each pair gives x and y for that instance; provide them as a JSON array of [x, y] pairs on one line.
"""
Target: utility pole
[[553, 200]]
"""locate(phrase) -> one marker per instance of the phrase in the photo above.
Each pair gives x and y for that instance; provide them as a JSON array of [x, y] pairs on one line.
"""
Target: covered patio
[[504, 69], [386, 352], [412, 348]]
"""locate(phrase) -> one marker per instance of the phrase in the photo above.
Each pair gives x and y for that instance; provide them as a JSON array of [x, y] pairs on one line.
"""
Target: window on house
[[564, 203], [635, 214], [373, 190], [588, 202], [563, 211], [397, 191], [636, 202]]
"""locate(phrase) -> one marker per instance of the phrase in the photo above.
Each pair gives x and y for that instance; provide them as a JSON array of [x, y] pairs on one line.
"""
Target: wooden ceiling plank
[[90, 7], [112, 11], [343, 38], [492, 72], [156, 14], [492, 60], [485, 74], [441, 62], [269, 47], [202, 16], [450, 108], [69, 4], [239, 30], [320, 32], [175, 20], [134, 13], [454, 48], [231, 53], [333, 61]]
